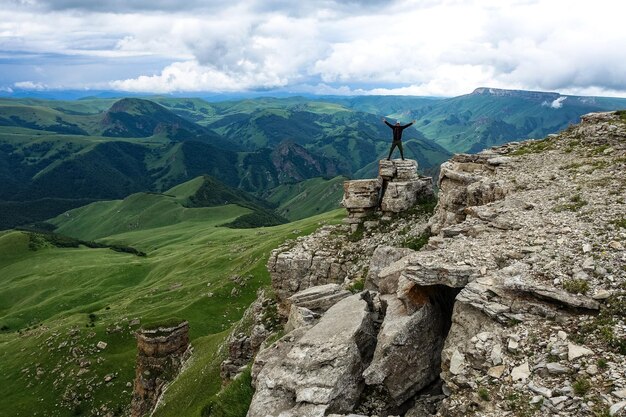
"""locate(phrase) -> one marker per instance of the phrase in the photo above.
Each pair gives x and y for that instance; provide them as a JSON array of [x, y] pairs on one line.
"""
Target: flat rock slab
[[424, 272], [320, 298]]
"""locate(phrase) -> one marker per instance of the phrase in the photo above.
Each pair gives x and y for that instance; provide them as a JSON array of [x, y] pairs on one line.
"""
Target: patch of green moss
[[233, 400], [356, 286], [483, 393], [575, 204], [536, 146], [520, 404], [621, 223], [581, 386], [576, 286], [417, 242], [357, 234], [164, 323], [602, 325]]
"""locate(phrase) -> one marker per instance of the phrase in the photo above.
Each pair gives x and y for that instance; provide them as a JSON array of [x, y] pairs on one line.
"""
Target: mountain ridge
[[240, 142]]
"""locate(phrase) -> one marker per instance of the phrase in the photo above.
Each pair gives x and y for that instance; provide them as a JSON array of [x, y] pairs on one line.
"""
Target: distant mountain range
[[56, 155]]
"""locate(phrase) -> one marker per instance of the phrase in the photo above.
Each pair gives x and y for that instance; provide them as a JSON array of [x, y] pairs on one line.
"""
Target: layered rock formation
[[330, 255], [397, 189], [344, 353], [161, 353], [517, 302], [542, 236]]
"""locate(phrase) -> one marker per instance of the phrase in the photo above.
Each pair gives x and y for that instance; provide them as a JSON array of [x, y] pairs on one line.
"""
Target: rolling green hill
[[307, 198], [138, 118], [57, 303], [333, 129], [45, 173], [190, 201]]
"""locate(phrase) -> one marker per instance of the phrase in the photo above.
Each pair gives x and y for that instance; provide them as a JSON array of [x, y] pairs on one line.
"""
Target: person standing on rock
[[397, 137]]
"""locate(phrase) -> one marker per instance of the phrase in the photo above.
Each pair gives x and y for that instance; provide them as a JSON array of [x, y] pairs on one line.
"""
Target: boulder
[[399, 196], [408, 353], [272, 355], [575, 351], [382, 257], [323, 368], [299, 317], [300, 268]]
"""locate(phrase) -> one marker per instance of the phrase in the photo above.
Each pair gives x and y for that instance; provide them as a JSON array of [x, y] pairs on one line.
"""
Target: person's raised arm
[[405, 126], [387, 123]]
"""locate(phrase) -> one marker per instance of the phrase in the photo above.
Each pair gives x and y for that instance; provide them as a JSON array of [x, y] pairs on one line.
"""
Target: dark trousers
[[395, 143]]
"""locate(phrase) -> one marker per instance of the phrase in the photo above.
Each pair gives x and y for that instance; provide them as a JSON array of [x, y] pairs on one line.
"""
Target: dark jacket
[[397, 130]]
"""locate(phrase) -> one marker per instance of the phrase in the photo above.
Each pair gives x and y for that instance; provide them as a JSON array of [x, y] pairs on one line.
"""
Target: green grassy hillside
[[307, 198], [38, 165], [57, 303], [200, 199], [489, 117]]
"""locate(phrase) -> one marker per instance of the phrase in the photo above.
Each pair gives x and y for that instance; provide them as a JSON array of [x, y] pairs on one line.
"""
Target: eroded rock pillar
[[161, 352]]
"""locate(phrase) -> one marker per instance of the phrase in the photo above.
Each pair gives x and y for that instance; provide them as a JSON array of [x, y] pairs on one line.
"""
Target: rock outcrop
[[515, 306], [258, 322], [161, 352], [540, 234], [331, 256], [397, 189]]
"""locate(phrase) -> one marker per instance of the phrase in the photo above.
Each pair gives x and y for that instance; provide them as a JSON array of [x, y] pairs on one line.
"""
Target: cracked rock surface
[[526, 264]]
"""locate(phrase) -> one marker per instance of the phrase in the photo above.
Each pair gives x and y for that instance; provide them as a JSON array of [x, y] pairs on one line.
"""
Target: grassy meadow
[[57, 303]]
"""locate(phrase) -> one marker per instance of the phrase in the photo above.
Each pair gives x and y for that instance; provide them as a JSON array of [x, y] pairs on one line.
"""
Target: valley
[[59, 303], [117, 214]]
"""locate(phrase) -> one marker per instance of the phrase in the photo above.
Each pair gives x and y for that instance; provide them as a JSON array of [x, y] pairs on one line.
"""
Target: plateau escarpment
[[513, 302]]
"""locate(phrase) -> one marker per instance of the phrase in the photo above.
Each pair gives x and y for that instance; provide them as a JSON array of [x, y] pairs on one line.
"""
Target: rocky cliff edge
[[515, 306]]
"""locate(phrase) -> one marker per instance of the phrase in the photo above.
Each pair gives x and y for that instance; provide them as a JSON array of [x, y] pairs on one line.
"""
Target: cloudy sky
[[416, 47]]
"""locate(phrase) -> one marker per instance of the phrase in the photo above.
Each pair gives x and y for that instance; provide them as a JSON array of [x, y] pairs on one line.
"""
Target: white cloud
[[424, 47], [191, 76], [29, 85], [556, 103]]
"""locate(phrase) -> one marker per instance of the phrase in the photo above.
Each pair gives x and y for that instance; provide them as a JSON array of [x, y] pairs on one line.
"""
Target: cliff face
[[161, 353], [530, 95], [346, 352], [515, 306], [341, 254]]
